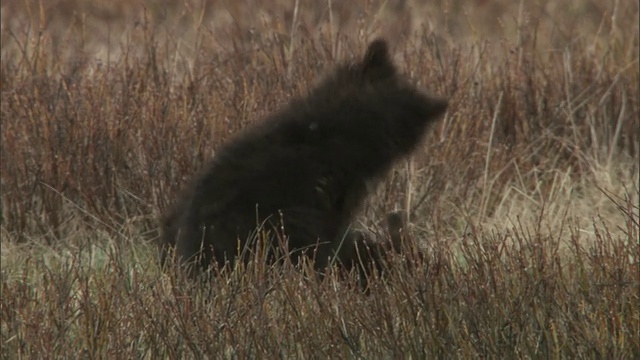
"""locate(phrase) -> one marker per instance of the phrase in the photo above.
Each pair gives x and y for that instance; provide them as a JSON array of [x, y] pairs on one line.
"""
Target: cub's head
[[371, 96]]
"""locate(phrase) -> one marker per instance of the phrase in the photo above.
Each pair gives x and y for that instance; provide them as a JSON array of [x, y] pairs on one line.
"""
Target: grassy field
[[525, 198]]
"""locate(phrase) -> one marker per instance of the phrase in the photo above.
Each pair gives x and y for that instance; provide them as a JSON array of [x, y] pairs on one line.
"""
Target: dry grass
[[526, 196]]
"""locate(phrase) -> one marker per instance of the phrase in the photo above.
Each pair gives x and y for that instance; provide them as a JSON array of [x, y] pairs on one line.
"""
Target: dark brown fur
[[303, 172]]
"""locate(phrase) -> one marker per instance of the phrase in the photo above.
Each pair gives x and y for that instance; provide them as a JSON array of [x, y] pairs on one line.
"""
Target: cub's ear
[[376, 64]]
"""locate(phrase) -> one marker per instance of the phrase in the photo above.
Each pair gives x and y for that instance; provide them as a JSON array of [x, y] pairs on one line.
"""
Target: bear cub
[[301, 174]]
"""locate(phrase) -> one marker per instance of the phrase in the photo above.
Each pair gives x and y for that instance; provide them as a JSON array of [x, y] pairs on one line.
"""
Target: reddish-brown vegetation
[[523, 201]]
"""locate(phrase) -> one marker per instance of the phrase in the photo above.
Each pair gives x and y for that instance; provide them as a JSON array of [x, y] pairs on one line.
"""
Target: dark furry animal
[[302, 173], [369, 253]]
